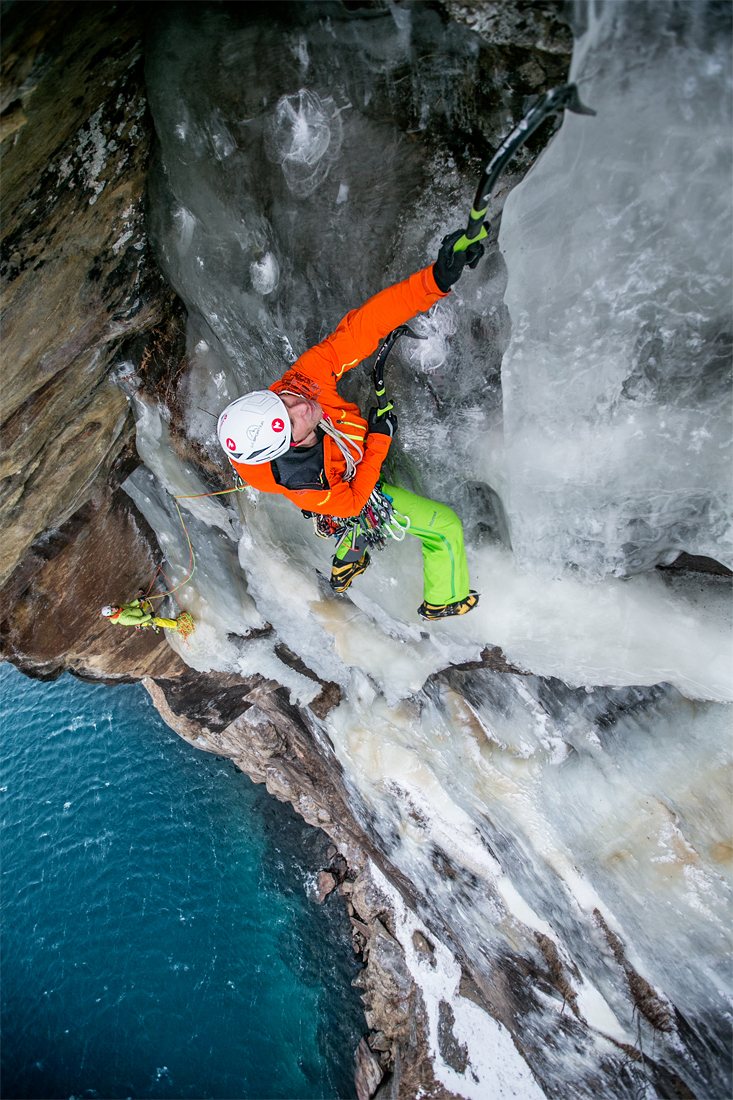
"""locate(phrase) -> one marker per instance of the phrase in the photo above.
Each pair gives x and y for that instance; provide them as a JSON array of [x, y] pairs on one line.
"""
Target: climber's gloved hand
[[384, 422], [449, 266]]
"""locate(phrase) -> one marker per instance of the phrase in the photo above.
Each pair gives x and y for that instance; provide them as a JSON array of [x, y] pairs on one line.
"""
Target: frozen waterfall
[[573, 813], [617, 383]]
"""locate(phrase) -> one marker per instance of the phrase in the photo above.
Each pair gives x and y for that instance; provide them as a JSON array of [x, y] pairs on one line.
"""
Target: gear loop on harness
[[377, 522]]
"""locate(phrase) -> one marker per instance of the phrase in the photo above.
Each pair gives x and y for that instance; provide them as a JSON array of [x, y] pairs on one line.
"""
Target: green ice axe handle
[[564, 97], [476, 230], [383, 402]]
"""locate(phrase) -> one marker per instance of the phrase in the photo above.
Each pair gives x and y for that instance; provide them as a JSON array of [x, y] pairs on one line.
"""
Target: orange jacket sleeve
[[361, 330]]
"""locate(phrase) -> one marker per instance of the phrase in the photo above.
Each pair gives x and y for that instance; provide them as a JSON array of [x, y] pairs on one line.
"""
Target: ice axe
[[565, 97], [383, 403]]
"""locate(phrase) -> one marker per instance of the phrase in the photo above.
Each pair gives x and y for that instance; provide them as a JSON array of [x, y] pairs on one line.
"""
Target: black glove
[[385, 424], [449, 266]]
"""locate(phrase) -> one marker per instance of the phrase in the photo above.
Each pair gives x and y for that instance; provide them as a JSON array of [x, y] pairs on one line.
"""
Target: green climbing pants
[[445, 569]]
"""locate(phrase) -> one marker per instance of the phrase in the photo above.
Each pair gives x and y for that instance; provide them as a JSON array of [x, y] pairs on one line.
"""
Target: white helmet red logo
[[257, 428]]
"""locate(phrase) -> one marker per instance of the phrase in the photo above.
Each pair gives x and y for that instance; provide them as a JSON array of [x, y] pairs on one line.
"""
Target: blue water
[[158, 936]]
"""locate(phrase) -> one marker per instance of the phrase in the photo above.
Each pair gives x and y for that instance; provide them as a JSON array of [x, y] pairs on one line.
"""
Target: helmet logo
[[231, 445], [253, 431], [278, 425]]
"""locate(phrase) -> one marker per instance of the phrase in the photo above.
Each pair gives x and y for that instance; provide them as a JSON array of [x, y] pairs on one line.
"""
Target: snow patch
[[495, 1068]]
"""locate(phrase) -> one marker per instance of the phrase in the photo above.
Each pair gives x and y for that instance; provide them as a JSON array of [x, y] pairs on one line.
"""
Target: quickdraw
[[377, 522]]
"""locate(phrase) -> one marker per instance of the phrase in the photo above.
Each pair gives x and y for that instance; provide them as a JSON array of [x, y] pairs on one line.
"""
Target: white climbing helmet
[[107, 611], [255, 428]]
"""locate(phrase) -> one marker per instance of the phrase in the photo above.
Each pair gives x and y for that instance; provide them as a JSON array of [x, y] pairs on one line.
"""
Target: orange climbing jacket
[[314, 376]]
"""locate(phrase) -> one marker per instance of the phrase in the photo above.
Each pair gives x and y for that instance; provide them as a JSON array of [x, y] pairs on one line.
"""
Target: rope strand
[[192, 556], [343, 442]]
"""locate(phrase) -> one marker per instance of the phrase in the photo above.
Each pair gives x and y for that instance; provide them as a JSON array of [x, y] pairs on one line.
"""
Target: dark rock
[[369, 1072], [492, 657], [452, 1052], [390, 986], [326, 883], [538, 25], [696, 563], [648, 1002], [424, 947], [214, 700], [557, 972], [378, 1041], [338, 868], [266, 739], [75, 144], [330, 695]]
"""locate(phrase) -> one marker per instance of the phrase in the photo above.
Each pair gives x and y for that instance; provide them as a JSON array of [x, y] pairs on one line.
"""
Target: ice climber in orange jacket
[[300, 438]]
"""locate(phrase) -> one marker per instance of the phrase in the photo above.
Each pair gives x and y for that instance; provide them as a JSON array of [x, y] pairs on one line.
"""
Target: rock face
[[527, 23], [51, 605], [77, 275]]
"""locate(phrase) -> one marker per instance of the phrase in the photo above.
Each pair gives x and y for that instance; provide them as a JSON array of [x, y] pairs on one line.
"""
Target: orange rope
[[192, 556], [218, 493], [172, 590]]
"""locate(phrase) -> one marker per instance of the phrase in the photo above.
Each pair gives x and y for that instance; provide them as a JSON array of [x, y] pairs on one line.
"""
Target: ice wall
[[617, 380], [268, 263], [570, 822]]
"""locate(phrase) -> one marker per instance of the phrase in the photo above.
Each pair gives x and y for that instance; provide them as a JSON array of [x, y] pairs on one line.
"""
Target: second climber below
[[301, 439]]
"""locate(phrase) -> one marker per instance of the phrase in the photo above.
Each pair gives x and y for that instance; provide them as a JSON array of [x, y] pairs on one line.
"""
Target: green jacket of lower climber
[[137, 613]]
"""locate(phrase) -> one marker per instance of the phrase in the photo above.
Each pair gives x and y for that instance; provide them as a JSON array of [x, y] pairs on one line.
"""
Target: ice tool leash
[[565, 97]]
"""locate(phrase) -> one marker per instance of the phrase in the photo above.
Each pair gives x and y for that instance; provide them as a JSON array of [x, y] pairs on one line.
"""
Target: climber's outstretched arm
[[361, 330]]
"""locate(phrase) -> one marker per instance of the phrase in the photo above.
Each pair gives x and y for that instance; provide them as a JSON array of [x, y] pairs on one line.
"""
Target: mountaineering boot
[[445, 610], [343, 573]]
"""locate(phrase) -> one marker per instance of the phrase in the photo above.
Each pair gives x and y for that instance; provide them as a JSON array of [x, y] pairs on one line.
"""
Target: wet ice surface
[[581, 810], [617, 380], [643, 630]]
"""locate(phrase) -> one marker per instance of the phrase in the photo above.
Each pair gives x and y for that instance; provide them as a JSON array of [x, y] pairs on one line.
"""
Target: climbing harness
[[377, 522], [565, 97]]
